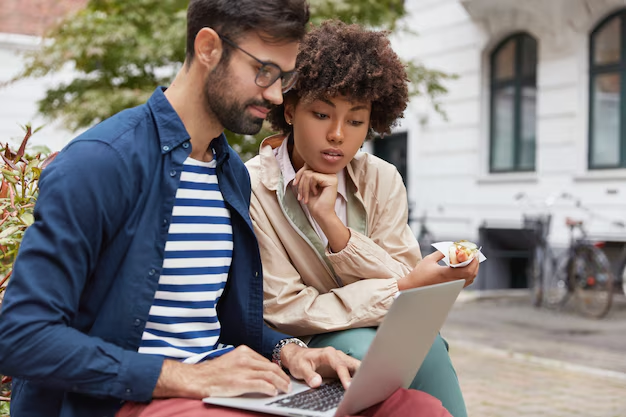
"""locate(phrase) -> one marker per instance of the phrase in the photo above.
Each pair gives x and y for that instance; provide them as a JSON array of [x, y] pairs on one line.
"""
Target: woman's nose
[[336, 133]]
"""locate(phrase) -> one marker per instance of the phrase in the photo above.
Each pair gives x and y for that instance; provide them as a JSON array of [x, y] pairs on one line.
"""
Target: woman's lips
[[332, 155]]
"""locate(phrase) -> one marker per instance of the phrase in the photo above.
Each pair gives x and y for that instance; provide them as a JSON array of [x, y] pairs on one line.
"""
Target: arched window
[[513, 104], [607, 130]]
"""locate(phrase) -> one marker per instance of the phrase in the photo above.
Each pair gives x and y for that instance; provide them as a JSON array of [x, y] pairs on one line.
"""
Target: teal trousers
[[436, 376]]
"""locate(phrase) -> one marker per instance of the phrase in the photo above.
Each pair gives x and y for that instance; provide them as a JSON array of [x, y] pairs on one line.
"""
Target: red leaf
[[49, 159], [8, 162], [4, 188], [8, 152], [22, 149], [5, 279]]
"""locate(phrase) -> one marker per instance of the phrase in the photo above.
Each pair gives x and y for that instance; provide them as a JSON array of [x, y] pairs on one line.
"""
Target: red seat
[[573, 222]]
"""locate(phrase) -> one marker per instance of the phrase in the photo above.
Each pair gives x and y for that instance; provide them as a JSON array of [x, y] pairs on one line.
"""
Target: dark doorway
[[393, 149]]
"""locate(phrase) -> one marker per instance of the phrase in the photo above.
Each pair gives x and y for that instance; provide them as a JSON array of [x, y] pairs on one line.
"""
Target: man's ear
[[208, 48]]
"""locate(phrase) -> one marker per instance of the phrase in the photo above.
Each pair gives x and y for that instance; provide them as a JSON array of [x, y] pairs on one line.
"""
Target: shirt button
[[137, 322], [152, 272], [172, 173], [166, 148], [186, 145], [129, 391], [256, 273], [164, 222]]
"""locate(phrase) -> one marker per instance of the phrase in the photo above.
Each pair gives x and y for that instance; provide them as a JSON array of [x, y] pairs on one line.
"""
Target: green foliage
[[121, 50], [19, 187], [4, 409]]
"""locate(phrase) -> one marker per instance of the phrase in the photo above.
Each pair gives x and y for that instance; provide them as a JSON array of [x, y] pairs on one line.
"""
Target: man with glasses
[[141, 277]]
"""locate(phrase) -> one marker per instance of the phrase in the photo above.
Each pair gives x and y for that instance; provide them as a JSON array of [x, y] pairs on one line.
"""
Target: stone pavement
[[496, 384], [514, 360]]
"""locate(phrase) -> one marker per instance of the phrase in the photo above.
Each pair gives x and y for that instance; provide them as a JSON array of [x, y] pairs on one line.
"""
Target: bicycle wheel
[[556, 289], [592, 281]]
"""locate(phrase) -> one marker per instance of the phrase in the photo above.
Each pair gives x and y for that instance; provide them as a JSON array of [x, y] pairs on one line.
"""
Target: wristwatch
[[279, 347]]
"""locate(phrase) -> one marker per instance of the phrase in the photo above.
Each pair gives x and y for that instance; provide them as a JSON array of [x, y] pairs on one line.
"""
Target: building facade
[[538, 109], [22, 25]]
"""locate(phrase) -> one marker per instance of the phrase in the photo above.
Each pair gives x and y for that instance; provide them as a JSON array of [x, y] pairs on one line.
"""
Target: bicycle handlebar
[[554, 197]]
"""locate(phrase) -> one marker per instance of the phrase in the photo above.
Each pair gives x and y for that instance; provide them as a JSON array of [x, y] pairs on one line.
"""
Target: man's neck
[[187, 101]]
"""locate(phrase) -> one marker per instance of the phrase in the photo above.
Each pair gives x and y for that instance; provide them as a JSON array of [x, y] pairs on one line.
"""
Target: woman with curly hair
[[332, 221]]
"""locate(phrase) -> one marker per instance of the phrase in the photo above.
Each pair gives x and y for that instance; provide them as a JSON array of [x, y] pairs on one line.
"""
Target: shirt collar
[[172, 131]]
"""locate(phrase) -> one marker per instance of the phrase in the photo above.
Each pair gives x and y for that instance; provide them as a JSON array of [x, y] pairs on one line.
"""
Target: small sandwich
[[462, 251]]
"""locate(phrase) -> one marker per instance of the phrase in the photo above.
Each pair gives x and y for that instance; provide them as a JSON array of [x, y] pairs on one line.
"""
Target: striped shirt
[[183, 321]]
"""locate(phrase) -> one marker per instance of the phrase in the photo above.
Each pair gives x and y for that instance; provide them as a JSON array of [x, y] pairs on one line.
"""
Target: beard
[[221, 99]]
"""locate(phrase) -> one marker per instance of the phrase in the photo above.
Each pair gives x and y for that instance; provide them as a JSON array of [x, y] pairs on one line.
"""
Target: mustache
[[260, 103]]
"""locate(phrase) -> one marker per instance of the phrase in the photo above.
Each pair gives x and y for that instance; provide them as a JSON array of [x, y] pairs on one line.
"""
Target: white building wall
[[448, 165], [18, 101]]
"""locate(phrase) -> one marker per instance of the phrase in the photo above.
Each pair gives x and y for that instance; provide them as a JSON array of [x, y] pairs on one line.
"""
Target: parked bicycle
[[425, 237], [583, 270], [620, 278]]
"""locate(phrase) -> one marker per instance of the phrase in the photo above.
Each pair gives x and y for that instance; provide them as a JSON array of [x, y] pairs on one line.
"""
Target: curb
[[528, 358], [476, 295]]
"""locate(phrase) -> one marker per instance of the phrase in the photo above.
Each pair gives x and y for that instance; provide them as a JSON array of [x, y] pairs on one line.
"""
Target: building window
[[607, 131], [513, 104]]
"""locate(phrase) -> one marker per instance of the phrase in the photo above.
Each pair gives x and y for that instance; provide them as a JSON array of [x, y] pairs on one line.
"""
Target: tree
[[120, 50]]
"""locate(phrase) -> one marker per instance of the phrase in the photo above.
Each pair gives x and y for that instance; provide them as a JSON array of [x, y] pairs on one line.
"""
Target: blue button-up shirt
[[88, 268]]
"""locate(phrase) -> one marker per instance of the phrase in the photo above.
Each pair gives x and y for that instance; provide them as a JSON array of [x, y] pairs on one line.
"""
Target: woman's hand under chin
[[318, 191]]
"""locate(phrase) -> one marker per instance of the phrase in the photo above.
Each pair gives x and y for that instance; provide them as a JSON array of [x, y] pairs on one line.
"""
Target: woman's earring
[[289, 122]]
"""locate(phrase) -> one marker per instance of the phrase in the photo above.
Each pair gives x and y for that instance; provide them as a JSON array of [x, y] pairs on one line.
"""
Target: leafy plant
[[19, 187], [5, 393], [18, 192]]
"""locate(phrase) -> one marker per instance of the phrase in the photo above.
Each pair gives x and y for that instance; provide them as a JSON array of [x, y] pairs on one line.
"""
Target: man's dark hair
[[337, 59], [275, 21]]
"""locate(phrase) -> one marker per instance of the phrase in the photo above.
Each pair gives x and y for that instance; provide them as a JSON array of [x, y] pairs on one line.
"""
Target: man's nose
[[274, 93]]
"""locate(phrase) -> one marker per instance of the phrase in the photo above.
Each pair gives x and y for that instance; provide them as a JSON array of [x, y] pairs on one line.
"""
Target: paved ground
[[500, 386], [514, 360]]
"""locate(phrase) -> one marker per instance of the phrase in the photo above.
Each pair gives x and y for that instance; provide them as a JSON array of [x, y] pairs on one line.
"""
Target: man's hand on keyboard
[[235, 373], [312, 365]]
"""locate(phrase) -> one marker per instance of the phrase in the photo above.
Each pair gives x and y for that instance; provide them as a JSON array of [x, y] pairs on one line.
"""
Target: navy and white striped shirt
[[183, 321]]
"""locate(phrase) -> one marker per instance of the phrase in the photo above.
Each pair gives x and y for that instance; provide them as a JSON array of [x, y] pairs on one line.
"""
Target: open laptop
[[402, 341]]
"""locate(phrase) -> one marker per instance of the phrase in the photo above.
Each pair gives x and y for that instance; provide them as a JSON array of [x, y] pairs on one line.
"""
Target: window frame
[[518, 82], [603, 69]]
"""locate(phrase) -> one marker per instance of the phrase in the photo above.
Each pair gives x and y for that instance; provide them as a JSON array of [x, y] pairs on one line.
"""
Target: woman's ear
[[208, 48], [290, 111]]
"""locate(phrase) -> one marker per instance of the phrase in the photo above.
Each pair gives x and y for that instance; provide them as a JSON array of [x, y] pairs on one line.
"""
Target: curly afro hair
[[336, 59]]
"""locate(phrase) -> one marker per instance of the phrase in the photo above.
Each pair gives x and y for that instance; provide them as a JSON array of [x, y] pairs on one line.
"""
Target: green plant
[[18, 192]]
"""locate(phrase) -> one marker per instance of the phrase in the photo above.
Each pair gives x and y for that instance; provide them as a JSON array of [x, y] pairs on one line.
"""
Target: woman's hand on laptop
[[241, 371], [429, 272], [311, 365]]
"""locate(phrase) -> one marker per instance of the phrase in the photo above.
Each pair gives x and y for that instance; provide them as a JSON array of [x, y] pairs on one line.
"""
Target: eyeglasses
[[269, 72]]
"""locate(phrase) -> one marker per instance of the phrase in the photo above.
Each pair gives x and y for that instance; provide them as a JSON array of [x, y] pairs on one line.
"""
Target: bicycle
[[583, 270], [620, 278], [425, 237]]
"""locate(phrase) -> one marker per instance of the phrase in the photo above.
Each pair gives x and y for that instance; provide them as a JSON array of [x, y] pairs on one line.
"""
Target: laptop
[[402, 342]]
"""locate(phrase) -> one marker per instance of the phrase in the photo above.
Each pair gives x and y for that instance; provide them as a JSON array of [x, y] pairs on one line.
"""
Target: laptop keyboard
[[324, 398]]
